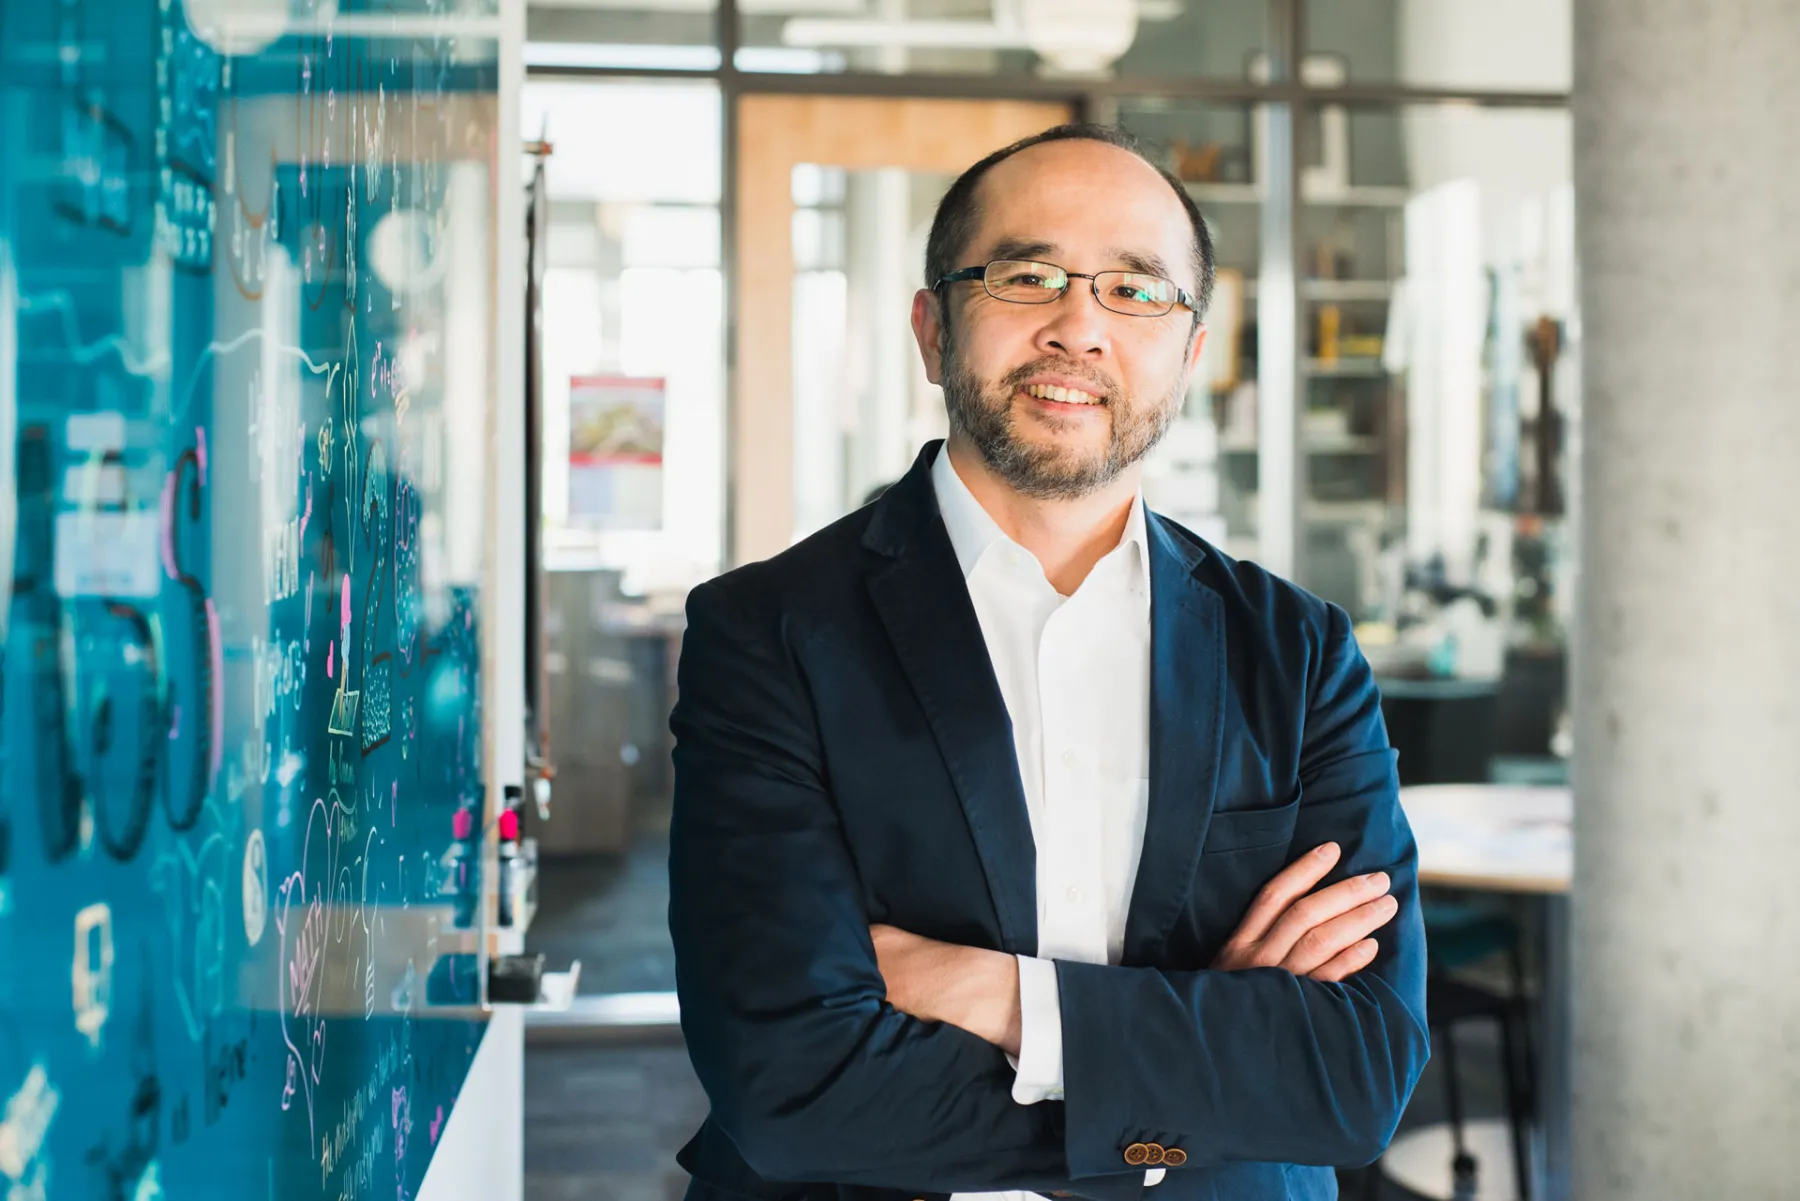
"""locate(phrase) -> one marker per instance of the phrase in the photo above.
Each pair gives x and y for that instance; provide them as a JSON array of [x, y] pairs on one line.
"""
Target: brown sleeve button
[[1156, 1154], [1174, 1157], [1137, 1155]]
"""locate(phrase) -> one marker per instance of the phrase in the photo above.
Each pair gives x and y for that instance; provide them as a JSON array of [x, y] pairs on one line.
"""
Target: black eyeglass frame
[[1182, 296]]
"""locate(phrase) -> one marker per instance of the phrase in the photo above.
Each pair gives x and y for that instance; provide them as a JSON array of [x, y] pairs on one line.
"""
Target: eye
[[1142, 289]]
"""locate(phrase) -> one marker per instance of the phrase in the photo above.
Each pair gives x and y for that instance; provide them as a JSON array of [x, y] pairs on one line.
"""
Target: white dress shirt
[[1074, 672]]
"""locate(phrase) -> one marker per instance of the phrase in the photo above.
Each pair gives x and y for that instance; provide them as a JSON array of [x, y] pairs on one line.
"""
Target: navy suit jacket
[[843, 757]]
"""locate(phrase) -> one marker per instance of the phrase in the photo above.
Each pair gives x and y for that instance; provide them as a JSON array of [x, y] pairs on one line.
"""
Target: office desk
[[1512, 839]]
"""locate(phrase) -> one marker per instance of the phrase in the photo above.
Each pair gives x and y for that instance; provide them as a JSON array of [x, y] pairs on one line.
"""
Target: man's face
[[1086, 207]]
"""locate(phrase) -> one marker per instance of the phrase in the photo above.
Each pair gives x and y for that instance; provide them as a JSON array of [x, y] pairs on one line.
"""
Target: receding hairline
[[1078, 144], [1073, 145]]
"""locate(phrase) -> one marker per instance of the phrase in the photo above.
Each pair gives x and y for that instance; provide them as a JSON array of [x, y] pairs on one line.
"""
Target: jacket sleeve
[[811, 1074], [1263, 1065]]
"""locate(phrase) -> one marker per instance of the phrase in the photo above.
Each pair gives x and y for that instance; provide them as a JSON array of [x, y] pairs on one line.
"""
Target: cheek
[[990, 346], [1151, 368]]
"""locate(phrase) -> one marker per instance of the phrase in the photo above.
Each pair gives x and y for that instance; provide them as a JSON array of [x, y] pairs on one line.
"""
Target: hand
[[1322, 936], [941, 982]]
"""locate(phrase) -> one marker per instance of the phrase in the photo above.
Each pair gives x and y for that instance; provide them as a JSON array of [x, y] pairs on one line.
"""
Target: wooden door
[[775, 134]]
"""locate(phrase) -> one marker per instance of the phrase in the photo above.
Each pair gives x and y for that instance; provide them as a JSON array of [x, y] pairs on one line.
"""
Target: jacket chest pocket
[[1234, 830], [1243, 849]]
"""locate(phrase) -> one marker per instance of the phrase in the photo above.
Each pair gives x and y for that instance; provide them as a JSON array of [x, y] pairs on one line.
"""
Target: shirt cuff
[[1040, 1066]]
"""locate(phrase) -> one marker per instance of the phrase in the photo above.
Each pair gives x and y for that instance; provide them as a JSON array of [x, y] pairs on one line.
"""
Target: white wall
[[481, 1155]]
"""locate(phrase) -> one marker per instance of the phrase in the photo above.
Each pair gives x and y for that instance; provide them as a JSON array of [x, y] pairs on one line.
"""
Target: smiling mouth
[[1068, 396]]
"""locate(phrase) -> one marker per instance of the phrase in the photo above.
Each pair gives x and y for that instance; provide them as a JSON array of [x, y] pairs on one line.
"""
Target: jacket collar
[[973, 530], [920, 592]]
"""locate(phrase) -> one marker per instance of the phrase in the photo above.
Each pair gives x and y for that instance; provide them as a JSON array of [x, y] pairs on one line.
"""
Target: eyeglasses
[[1020, 281]]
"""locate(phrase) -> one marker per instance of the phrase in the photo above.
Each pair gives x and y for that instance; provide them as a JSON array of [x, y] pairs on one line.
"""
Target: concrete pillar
[[1686, 920]]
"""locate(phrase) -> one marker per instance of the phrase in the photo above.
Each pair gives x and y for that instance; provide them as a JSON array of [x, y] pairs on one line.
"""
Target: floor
[[611, 913], [603, 1123]]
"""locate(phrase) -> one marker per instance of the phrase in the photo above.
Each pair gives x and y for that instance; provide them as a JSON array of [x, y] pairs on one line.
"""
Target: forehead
[[1085, 198]]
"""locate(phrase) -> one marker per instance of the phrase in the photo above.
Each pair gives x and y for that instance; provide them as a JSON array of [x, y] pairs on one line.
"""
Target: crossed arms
[[816, 1073]]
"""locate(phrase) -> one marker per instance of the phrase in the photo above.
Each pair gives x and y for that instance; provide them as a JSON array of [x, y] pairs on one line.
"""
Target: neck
[[1067, 536]]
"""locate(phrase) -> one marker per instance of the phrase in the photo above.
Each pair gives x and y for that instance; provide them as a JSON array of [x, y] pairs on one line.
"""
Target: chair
[[1444, 733], [1457, 935]]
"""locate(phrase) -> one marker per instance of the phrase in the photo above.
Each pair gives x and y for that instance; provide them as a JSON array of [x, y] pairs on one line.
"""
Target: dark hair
[[957, 214]]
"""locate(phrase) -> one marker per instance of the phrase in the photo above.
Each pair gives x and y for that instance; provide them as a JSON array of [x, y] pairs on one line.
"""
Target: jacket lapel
[[924, 603], [1187, 707]]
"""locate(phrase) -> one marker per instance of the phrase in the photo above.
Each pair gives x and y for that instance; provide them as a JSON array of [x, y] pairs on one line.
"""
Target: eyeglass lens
[[1130, 292]]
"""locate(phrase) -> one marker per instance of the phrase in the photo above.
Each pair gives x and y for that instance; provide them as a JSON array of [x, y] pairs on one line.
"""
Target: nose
[[1076, 326]]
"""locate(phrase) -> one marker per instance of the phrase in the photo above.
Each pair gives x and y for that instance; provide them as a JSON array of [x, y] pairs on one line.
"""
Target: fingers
[[1311, 912], [1283, 889], [1327, 940], [1346, 963]]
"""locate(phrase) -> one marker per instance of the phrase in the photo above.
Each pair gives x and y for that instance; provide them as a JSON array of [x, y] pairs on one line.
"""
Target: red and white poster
[[615, 452]]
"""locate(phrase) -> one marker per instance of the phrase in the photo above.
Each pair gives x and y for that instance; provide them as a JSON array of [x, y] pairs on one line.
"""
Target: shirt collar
[[972, 531]]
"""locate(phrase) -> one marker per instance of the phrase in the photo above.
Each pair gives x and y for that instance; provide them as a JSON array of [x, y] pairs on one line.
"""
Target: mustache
[[1103, 387]]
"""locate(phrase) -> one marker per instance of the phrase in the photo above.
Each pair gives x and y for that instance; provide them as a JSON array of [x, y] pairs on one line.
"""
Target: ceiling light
[[1070, 35]]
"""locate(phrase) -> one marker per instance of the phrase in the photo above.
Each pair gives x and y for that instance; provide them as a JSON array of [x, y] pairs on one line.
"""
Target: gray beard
[[1047, 472]]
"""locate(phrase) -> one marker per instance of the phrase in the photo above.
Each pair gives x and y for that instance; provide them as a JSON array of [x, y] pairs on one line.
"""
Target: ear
[[1193, 354], [928, 329]]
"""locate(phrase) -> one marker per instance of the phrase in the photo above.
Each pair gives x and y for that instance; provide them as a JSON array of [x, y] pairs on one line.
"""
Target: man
[[1023, 842]]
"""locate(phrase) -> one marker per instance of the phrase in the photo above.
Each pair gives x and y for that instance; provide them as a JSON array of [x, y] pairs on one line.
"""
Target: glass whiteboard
[[247, 274]]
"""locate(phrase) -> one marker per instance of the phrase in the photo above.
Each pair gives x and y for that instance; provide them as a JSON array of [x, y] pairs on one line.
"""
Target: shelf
[[557, 992], [1348, 289], [1381, 290], [592, 1016], [1224, 193], [1349, 444], [1360, 197], [1350, 197], [1343, 512], [1366, 367], [1320, 446]]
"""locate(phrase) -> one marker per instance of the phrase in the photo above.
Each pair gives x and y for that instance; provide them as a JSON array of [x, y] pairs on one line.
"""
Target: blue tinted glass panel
[[245, 354]]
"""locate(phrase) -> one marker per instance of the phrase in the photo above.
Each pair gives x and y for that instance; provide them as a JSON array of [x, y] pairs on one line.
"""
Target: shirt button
[[1074, 895], [1068, 758]]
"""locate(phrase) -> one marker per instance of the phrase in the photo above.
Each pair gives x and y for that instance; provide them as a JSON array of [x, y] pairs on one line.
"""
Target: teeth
[[1072, 396]]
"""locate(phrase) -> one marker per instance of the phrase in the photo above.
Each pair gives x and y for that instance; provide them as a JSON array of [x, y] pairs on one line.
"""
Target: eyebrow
[[1142, 263], [1134, 260], [1022, 248]]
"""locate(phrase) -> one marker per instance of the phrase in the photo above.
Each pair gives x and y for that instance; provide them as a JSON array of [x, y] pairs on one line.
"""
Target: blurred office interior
[[686, 262], [1388, 410]]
